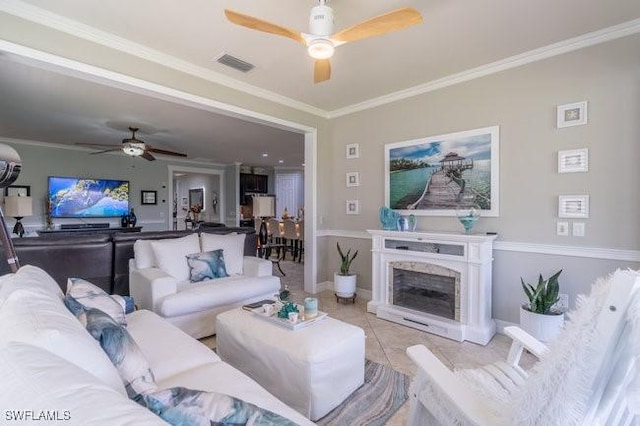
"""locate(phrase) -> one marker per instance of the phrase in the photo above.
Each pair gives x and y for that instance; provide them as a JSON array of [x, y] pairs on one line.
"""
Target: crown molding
[[566, 46], [60, 23]]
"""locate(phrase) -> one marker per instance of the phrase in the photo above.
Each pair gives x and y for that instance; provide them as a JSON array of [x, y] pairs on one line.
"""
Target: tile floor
[[386, 342]]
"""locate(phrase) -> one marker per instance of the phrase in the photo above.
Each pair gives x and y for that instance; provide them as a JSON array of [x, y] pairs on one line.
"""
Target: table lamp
[[263, 207], [18, 207]]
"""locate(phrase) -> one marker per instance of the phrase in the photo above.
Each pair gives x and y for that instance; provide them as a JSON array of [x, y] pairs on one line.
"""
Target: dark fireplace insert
[[424, 292]]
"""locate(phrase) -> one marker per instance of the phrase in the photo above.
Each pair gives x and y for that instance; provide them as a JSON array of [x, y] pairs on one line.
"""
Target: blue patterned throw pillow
[[206, 266], [83, 295], [123, 352], [187, 407]]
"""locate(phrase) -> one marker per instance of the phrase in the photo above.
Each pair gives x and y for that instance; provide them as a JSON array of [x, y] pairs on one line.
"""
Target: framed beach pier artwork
[[434, 176]]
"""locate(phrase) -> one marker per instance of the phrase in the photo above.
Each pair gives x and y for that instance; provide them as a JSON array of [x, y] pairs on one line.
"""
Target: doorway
[[187, 182], [290, 193]]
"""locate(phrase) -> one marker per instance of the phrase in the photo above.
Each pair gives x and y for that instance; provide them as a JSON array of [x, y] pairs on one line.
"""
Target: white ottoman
[[312, 369]]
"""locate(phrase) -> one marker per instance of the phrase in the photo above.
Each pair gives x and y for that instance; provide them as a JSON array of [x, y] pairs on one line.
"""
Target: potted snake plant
[[539, 317], [345, 282]]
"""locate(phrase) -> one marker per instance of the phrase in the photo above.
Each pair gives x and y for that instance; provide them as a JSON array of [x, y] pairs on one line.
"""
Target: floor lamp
[[10, 166]]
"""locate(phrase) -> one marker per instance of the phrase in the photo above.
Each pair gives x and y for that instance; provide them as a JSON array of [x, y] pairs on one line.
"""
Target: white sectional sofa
[[159, 280], [51, 367]]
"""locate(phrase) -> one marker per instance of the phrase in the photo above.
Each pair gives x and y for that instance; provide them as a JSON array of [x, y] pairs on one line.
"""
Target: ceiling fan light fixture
[[133, 149], [321, 48]]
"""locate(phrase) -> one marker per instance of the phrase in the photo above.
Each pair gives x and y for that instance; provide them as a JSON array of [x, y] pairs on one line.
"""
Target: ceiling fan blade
[[386, 23], [321, 70], [106, 150], [164, 152], [264, 26], [148, 156], [97, 145]]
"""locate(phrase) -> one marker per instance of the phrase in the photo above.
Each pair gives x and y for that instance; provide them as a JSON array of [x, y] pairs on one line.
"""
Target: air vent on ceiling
[[235, 63]]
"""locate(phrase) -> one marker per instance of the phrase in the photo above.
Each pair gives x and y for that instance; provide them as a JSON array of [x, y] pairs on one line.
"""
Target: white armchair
[[589, 375], [160, 280]]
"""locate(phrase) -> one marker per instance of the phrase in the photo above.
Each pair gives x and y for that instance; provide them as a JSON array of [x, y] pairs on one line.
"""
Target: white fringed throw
[[558, 387]]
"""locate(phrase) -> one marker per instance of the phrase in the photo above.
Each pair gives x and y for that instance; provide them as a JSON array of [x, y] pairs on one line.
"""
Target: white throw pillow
[[171, 255], [33, 278], [33, 317], [143, 254], [232, 246]]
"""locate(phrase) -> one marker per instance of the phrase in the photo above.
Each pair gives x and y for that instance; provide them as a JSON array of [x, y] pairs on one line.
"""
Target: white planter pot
[[542, 327], [344, 285]]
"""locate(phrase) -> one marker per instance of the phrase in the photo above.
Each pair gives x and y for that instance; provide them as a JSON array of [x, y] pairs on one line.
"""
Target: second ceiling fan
[[133, 147], [321, 41]]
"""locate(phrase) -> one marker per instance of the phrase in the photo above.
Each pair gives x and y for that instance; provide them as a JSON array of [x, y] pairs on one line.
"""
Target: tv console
[[84, 226], [87, 231]]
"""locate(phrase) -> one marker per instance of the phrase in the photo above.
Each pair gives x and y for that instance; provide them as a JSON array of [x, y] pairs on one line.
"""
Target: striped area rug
[[375, 402]]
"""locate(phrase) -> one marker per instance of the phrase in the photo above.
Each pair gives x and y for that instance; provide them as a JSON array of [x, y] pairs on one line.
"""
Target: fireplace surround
[[436, 282]]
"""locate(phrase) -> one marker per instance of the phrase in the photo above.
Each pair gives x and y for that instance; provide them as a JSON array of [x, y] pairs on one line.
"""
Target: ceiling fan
[[133, 147], [321, 42]]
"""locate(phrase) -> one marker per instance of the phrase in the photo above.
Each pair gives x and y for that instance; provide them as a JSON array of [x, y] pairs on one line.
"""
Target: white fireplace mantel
[[470, 255]]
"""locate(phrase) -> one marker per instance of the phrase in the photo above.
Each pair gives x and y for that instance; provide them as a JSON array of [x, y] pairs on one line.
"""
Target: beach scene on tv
[[75, 197], [446, 174]]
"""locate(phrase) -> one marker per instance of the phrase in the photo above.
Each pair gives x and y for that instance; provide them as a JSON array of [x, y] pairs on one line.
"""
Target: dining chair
[[290, 236], [588, 375], [300, 232]]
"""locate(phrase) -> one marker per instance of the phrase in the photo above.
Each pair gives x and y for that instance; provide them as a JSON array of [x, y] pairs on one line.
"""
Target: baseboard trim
[[500, 325], [328, 285]]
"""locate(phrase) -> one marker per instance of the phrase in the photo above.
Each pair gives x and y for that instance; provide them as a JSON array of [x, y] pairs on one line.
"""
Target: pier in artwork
[[446, 188]]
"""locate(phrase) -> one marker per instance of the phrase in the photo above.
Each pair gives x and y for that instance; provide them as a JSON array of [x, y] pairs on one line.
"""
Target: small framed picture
[[353, 151], [353, 207], [149, 197], [184, 202], [573, 206], [19, 190], [574, 114], [353, 179], [573, 161]]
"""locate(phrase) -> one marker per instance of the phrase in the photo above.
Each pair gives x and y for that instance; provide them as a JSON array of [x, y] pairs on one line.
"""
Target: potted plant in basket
[[344, 282], [540, 318]]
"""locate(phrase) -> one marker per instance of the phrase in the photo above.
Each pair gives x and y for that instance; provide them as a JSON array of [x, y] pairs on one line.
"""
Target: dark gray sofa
[[101, 259]]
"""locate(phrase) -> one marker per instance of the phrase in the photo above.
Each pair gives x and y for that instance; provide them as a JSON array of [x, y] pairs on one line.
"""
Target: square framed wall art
[[149, 198], [19, 190], [574, 114], [353, 151], [573, 161], [353, 207], [353, 179], [573, 206]]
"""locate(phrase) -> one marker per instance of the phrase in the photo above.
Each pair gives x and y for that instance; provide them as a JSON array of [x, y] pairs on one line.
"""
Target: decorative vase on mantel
[[406, 223], [388, 218]]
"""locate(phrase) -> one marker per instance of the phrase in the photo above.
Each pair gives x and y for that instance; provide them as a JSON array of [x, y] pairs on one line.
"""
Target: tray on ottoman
[[283, 322]]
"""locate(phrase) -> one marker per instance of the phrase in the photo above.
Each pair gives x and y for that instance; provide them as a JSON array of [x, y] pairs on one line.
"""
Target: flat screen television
[[84, 198]]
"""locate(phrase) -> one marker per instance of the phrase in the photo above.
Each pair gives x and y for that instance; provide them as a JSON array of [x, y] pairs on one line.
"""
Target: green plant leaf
[[544, 295]]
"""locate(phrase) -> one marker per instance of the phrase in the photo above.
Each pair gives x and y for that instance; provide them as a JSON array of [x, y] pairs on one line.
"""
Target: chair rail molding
[[523, 247]]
